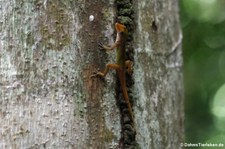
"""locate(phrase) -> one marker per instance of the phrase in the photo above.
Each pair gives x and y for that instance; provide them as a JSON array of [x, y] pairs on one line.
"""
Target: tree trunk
[[49, 50]]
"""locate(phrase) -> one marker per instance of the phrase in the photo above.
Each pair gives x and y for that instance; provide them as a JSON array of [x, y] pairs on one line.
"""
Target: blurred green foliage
[[203, 25]]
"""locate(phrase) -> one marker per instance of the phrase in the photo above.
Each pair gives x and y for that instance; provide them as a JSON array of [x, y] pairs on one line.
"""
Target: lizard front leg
[[108, 48]]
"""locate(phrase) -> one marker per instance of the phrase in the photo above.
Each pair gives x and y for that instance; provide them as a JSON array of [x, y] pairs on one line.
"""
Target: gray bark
[[158, 75], [48, 50]]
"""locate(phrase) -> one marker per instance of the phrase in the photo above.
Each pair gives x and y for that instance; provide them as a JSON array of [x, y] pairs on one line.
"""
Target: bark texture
[[49, 49], [158, 75]]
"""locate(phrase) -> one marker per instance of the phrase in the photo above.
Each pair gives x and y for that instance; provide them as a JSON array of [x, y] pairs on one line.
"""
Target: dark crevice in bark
[[125, 15]]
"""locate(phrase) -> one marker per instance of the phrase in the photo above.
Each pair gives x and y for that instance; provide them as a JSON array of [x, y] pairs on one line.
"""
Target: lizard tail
[[125, 93]]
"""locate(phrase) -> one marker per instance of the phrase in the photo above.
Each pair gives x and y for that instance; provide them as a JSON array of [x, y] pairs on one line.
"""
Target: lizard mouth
[[120, 27]]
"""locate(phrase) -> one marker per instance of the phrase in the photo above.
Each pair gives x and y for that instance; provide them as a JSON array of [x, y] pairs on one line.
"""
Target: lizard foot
[[101, 46], [94, 74]]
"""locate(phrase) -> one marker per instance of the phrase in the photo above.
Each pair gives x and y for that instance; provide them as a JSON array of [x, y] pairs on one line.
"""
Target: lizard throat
[[118, 37]]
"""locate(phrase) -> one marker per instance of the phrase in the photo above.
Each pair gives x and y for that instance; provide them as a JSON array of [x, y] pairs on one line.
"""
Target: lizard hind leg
[[129, 66], [108, 67]]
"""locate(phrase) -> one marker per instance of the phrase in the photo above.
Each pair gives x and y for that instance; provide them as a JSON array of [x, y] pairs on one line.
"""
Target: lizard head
[[120, 28]]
